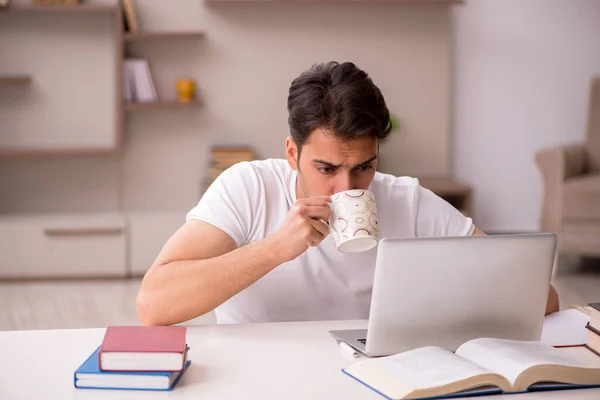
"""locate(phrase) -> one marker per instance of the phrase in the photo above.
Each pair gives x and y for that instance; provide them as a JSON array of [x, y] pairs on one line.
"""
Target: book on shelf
[[90, 376], [143, 348], [223, 157], [229, 150], [479, 366], [130, 16], [213, 173], [138, 84]]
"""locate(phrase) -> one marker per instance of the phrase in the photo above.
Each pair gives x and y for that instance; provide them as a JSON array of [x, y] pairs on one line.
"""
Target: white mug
[[353, 222]]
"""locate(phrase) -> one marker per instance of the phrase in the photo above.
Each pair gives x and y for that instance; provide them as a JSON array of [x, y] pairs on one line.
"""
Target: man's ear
[[291, 153]]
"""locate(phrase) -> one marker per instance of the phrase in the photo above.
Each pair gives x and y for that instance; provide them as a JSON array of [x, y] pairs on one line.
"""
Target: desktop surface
[[296, 360]]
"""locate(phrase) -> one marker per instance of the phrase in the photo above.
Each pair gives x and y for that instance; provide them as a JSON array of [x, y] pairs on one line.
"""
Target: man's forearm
[[181, 290]]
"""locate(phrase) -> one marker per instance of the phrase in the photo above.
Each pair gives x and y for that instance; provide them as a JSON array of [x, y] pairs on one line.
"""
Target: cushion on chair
[[581, 197], [593, 134]]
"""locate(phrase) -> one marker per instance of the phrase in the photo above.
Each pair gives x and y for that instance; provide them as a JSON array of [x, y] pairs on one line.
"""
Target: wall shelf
[[84, 8], [14, 79], [45, 152], [160, 105], [143, 36]]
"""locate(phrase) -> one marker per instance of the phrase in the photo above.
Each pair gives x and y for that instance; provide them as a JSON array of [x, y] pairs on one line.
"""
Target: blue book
[[478, 367], [89, 376]]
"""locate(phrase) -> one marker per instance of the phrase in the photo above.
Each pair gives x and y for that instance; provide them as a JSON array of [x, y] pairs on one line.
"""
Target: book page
[[427, 367], [563, 328], [510, 358]]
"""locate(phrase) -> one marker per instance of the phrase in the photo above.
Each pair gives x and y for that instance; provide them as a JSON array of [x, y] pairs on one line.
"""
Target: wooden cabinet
[[41, 246], [456, 193], [86, 245]]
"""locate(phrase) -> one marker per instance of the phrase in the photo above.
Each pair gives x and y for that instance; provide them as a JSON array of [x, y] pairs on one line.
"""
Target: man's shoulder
[[397, 192], [397, 199], [259, 169], [270, 166], [392, 183], [249, 178]]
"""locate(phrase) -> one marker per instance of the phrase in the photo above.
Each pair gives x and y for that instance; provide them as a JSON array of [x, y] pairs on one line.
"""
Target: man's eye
[[325, 170], [363, 168]]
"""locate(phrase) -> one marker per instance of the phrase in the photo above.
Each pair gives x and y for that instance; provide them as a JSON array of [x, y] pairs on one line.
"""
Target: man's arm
[[552, 305], [200, 267], [197, 270]]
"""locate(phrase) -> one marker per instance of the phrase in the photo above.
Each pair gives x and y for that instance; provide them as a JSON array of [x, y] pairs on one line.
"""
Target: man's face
[[328, 165]]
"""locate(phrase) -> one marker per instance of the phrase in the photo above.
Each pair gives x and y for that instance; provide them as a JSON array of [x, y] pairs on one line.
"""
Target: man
[[256, 247]]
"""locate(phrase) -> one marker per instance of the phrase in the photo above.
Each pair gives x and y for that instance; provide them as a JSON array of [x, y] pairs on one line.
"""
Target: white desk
[[262, 361]]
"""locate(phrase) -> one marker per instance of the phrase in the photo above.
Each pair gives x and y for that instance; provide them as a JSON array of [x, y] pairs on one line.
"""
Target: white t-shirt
[[250, 201]]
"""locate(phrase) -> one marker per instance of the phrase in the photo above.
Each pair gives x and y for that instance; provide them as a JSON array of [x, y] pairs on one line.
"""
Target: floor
[[92, 304]]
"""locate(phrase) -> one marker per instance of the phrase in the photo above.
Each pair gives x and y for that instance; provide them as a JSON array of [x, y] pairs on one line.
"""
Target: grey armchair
[[571, 180]]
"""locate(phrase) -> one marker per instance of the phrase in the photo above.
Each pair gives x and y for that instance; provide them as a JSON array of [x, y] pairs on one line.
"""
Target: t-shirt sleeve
[[227, 203], [437, 217]]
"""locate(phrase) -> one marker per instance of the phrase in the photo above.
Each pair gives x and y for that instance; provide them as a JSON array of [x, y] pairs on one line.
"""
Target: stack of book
[[137, 358], [594, 329], [138, 85], [223, 157]]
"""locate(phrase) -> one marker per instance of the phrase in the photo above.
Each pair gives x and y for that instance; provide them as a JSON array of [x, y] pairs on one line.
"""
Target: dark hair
[[338, 98]]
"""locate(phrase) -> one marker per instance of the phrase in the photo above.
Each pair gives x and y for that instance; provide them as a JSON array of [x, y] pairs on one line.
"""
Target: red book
[[143, 348]]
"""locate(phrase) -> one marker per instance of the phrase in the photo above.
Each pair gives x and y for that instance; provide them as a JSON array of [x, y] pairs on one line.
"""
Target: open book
[[479, 366]]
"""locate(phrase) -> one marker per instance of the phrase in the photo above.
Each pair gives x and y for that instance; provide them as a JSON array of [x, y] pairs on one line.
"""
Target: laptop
[[444, 291]]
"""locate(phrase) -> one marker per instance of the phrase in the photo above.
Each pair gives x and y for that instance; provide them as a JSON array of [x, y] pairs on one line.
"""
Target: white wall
[[521, 80], [522, 74], [244, 67]]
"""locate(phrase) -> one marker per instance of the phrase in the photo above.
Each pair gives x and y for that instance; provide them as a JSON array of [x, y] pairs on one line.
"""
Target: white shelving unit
[[77, 225]]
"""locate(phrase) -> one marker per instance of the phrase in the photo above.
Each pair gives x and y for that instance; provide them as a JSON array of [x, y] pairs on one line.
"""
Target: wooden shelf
[[160, 105], [133, 37], [14, 79], [43, 8]]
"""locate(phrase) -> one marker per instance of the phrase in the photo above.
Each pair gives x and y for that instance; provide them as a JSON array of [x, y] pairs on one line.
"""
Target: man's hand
[[552, 305], [303, 227]]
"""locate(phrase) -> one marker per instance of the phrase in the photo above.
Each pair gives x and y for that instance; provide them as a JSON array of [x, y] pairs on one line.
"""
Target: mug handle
[[330, 206], [332, 231]]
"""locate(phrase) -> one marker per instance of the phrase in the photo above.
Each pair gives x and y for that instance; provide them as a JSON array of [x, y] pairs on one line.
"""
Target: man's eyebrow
[[326, 163], [370, 160], [331, 165]]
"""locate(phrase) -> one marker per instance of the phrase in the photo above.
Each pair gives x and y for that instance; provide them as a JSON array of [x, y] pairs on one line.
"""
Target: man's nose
[[344, 183]]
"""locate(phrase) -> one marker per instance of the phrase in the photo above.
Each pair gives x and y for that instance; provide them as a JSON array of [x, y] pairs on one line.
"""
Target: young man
[[256, 248]]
